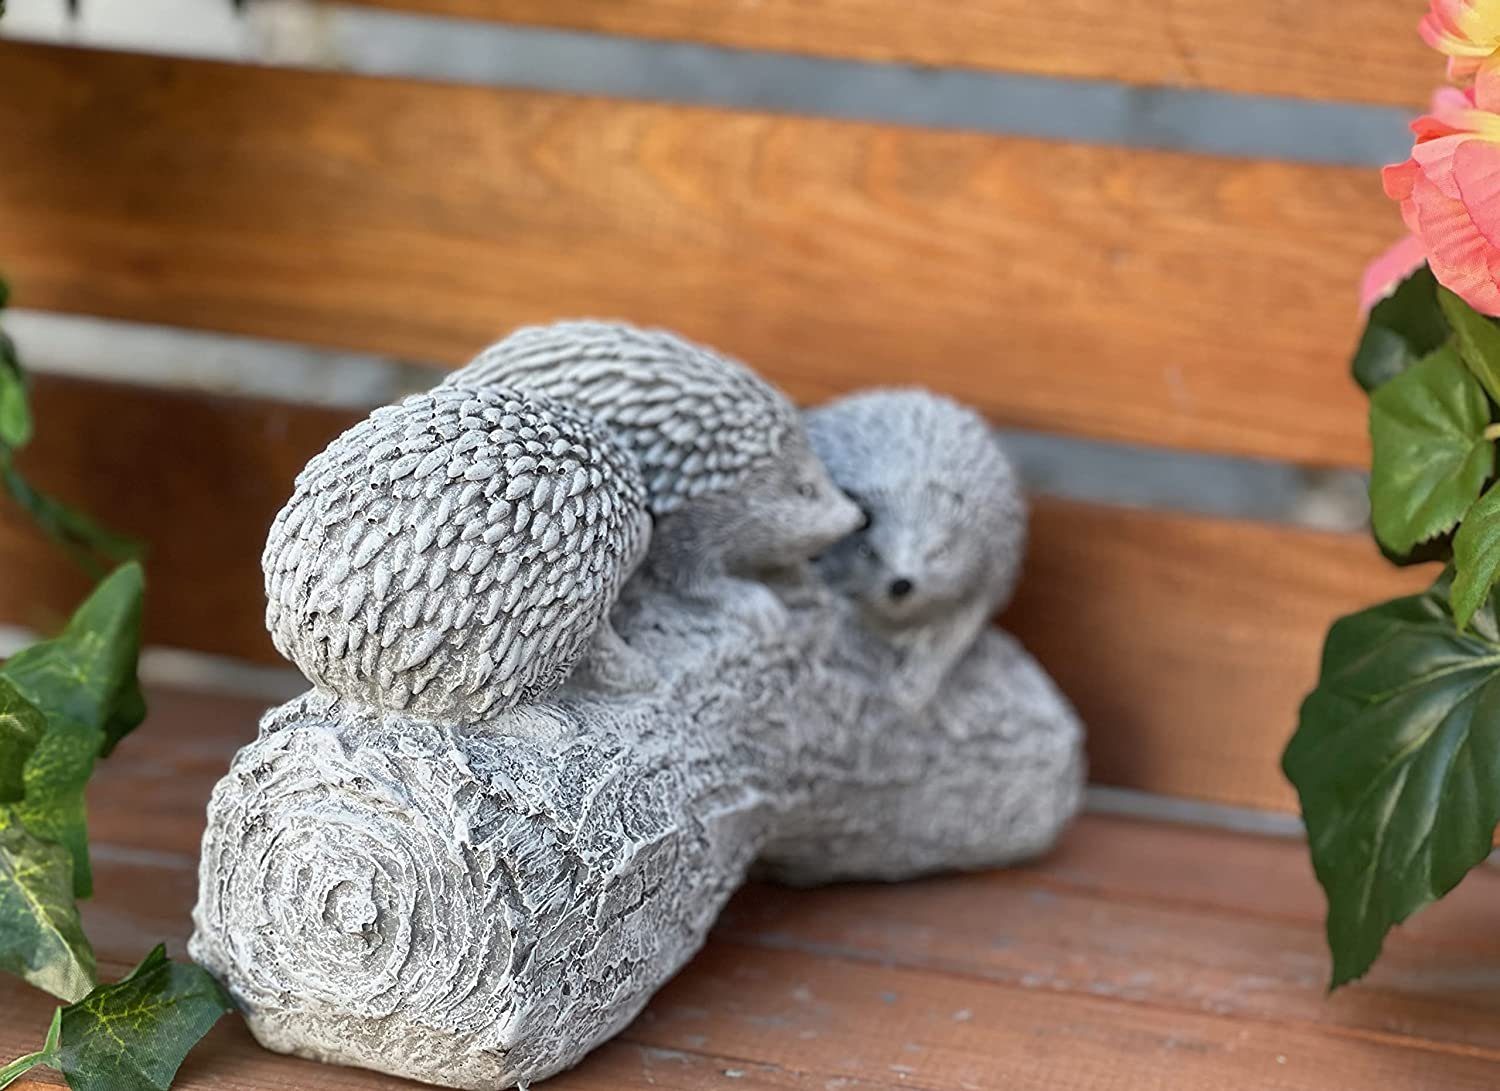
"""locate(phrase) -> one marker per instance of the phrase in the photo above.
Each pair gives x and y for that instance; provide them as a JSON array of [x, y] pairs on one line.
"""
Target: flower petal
[[1476, 173], [1386, 272]]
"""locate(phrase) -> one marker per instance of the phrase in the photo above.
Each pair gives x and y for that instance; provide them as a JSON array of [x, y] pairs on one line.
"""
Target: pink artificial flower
[[1385, 274], [1450, 189], [1468, 31]]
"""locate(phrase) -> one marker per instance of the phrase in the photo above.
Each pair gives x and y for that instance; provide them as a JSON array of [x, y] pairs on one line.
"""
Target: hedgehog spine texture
[[698, 422], [451, 556]]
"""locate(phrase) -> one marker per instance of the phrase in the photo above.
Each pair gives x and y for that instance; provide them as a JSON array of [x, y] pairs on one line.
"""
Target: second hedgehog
[[731, 479]]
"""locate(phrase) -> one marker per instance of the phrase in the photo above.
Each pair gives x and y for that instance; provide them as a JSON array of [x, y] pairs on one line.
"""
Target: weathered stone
[[478, 901]]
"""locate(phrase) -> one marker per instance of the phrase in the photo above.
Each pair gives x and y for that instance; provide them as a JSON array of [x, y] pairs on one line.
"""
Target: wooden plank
[[230, 1060], [1055, 976], [995, 928], [1271, 47], [1188, 643], [1161, 298], [196, 478]]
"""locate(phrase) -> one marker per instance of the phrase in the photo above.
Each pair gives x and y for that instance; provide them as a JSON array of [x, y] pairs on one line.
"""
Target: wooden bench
[[1162, 298]]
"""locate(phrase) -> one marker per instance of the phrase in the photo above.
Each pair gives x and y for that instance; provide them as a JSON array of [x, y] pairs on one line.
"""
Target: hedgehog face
[[944, 518], [916, 556], [788, 511]]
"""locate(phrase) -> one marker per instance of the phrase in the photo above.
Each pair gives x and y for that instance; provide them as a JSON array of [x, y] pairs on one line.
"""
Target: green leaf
[[1402, 328], [15, 407], [134, 1035], [1478, 340], [1431, 457], [41, 937], [1436, 550], [21, 728], [87, 674], [47, 1055], [84, 682], [53, 807], [1396, 759], [1476, 556]]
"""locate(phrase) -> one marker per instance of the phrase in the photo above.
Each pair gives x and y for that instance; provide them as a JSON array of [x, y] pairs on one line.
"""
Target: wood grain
[[1137, 955], [1362, 50], [1161, 298], [194, 477], [1187, 643]]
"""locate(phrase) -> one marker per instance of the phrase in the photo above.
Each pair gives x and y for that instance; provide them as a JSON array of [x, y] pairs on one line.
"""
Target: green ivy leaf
[[86, 675], [41, 937], [1478, 340], [1431, 457], [15, 407], [1402, 328], [48, 1054], [134, 1035], [1476, 556], [21, 728], [1396, 759], [53, 806]]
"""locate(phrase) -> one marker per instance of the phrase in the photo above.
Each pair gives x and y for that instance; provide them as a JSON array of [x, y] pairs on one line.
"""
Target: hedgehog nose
[[901, 587]]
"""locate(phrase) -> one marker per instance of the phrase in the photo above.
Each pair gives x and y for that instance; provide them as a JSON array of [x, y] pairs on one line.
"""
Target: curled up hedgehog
[[731, 481], [455, 554], [942, 548]]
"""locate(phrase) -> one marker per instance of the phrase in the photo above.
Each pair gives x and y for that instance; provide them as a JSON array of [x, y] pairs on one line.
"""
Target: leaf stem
[[22, 1065], [47, 1055]]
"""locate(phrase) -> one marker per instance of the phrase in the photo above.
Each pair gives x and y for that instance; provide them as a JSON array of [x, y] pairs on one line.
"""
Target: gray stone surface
[[478, 901], [731, 480], [452, 555]]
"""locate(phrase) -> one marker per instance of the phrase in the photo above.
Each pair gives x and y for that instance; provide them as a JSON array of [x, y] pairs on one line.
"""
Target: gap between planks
[[1264, 47]]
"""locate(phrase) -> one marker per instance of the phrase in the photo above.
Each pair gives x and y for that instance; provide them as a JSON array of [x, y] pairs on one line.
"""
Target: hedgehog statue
[[455, 554], [946, 525], [731, 481]]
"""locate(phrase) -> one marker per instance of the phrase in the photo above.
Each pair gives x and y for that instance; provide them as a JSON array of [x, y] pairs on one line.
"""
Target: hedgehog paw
[[612, 664], [757, 604]]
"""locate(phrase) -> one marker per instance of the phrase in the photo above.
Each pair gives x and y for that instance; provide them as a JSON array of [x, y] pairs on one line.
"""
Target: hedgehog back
[[451, 555], [698, 422]]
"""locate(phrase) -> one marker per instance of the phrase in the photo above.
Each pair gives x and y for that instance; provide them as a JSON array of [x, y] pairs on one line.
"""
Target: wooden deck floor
[[1139, 956]]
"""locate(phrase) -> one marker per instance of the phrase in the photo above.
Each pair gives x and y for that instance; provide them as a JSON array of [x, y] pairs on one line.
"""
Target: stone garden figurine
[[453, 555], [731, 481], [476, 890], [940, 551]]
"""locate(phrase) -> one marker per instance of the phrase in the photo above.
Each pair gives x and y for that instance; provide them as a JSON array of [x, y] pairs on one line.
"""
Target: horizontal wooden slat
[[1186, 642], [1189, 643], [196, 478], [1136, 955], [1151, 297], [1362, 50]]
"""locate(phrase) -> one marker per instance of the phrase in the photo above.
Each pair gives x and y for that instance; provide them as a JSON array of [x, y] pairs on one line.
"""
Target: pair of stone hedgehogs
[[458, 553]]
